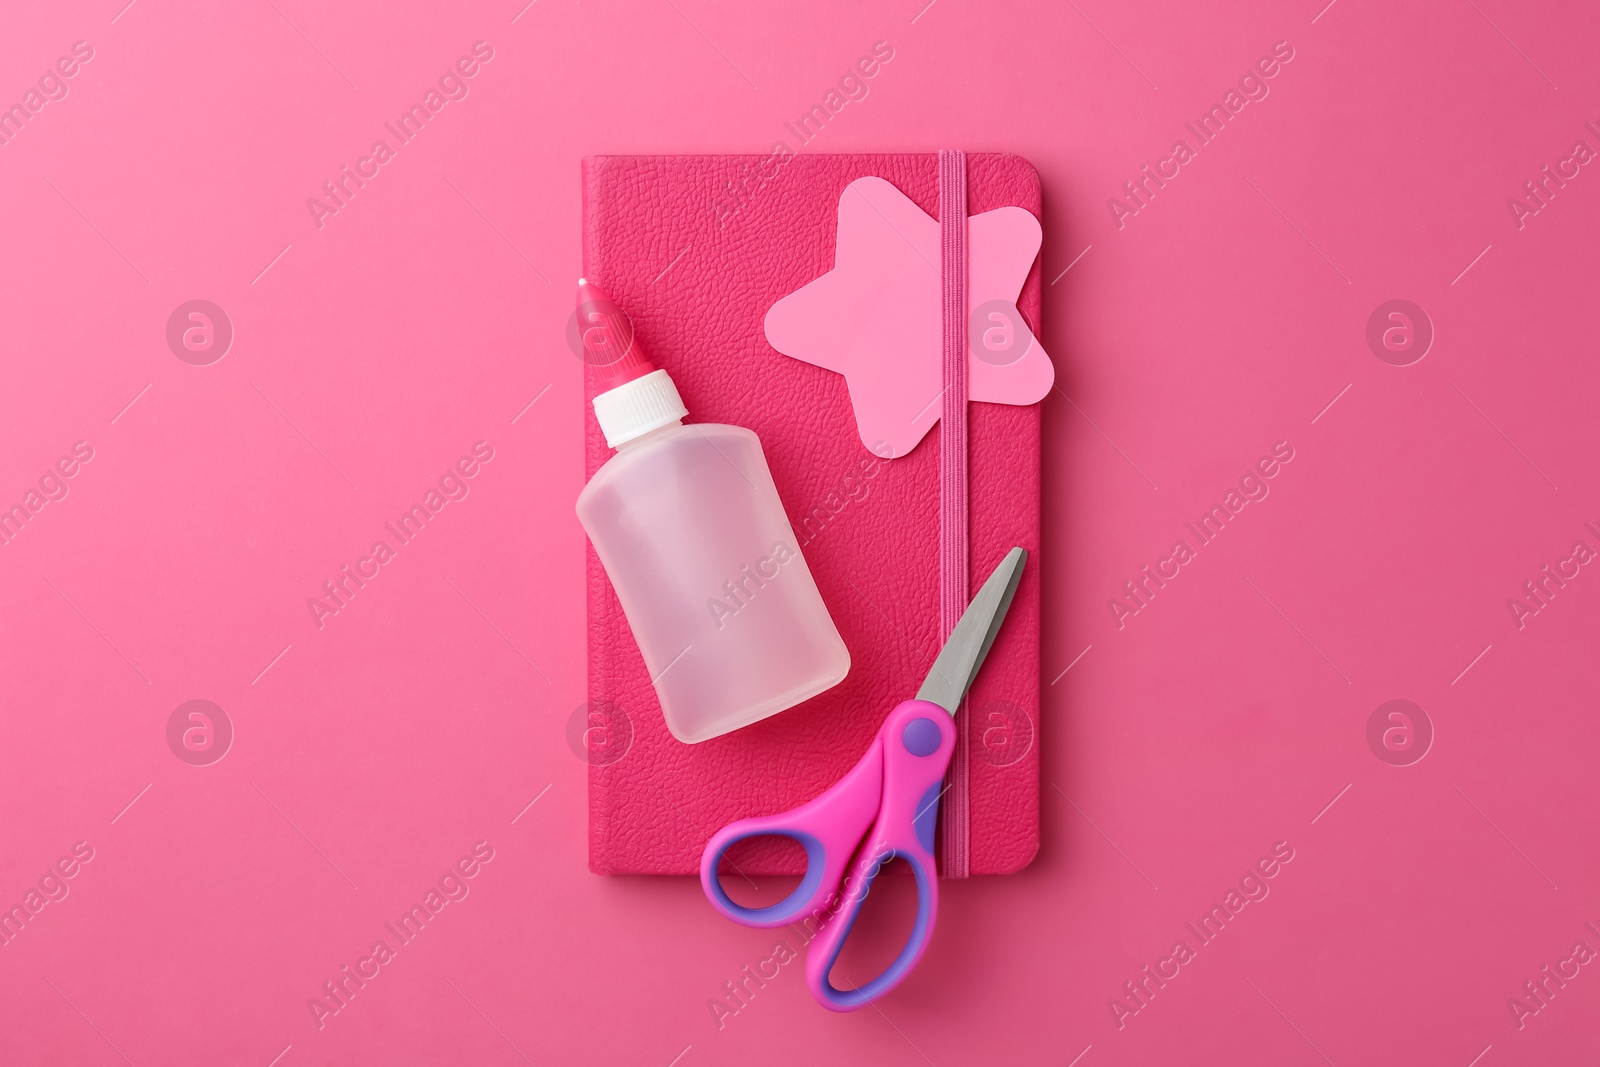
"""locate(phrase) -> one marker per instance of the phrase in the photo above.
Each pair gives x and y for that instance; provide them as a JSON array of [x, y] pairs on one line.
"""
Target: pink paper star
[[875, 317]]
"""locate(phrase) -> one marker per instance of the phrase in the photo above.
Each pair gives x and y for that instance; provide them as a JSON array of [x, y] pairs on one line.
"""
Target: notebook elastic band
[[953, 572]]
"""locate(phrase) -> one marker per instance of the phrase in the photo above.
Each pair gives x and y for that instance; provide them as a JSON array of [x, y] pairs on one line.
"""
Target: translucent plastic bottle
[[688, 524]]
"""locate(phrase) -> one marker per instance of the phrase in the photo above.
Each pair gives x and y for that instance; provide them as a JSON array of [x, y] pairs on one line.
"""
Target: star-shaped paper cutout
[[876, 316]]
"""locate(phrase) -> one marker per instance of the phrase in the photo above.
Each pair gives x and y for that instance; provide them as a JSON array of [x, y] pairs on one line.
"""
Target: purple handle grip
[[898, 780], [916, 741], [828, 826]]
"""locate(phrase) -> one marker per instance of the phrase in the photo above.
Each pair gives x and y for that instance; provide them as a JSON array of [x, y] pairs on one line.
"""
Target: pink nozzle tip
[[609, 344]]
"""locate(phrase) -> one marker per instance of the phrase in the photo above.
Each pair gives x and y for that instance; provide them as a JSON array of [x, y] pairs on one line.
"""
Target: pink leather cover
[[869, 528]]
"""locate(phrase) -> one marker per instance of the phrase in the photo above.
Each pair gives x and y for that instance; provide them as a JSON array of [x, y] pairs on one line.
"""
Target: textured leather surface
[[871, 537]]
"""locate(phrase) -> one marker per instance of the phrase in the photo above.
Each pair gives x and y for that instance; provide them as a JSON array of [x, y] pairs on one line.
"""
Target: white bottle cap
[[634, 408]]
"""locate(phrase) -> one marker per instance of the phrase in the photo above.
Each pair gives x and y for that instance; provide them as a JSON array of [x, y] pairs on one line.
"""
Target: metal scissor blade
[[958, 662]]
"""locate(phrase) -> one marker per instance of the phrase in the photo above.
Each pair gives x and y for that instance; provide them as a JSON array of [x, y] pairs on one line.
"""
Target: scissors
[[897, 783]]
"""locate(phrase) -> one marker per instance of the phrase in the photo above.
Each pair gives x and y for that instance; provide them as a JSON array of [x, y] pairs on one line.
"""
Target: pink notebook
[[697, 249]]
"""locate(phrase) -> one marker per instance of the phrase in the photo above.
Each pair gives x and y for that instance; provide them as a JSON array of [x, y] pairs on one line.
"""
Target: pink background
[[426, 315]]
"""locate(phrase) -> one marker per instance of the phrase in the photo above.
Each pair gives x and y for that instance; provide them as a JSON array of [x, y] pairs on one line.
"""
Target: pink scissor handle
[[916, 740], [828, 827]]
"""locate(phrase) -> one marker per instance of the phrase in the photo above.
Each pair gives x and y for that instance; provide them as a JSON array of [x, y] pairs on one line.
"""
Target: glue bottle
[[687, 522]]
